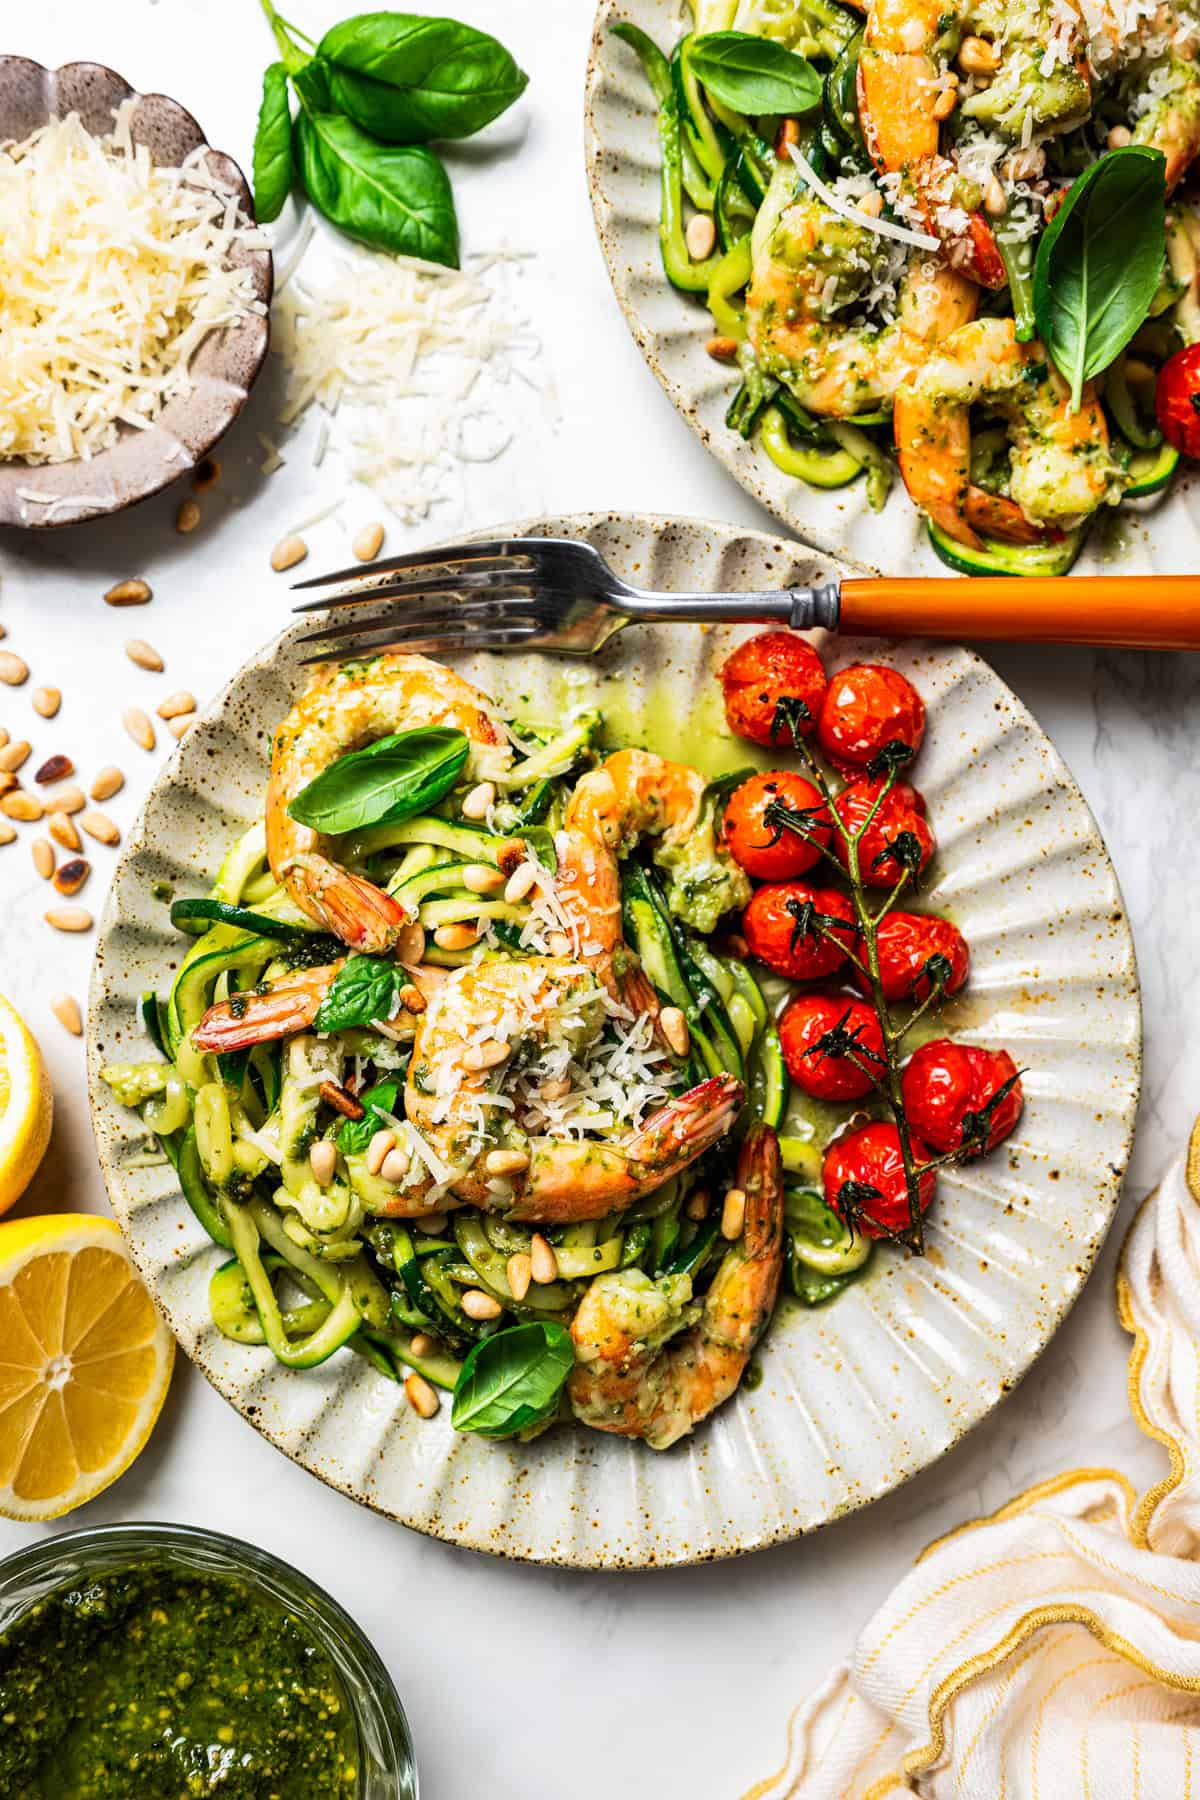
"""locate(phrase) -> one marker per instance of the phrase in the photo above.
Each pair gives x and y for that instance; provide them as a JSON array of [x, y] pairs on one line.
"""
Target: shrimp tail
[[683, 1129], [289, 1006], [997, 516], [352, 908], [760, 1177]]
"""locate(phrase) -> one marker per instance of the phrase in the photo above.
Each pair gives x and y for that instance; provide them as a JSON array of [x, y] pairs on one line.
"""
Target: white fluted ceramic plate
[[1149, 536], [854, 1398]]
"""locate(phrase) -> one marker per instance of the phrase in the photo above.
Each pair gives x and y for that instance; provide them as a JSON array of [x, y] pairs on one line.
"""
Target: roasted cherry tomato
[[829, 1073], [871, 1156], [902, 811], [1177, 400], [774, 666], [943, 1082], [906, 942], [867, 706], [766, 848], [780, 929]]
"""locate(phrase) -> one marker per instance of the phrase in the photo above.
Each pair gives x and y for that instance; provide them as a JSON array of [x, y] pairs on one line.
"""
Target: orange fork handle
[[1130, 612]]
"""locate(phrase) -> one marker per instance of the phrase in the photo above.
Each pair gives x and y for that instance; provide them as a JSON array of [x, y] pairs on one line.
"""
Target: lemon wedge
[[26, 1106], [85, 1366]]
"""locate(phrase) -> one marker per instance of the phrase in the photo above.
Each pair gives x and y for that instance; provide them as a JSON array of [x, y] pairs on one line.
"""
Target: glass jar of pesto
[[139, 1661]]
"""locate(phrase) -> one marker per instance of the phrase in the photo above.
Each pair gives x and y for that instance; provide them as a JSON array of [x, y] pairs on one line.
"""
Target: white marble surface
[[535, 1681]]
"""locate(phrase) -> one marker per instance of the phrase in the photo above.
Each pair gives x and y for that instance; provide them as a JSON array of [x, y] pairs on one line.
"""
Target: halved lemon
[[85, 1362], [26, 1106]]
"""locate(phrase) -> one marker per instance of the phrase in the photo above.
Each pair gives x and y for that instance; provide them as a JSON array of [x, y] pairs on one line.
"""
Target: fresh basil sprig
[[273, 146], [408, 79], [755, 75], [392, 779], [397, 197], [364, 989], [513, 1379], [354, 1135], [1100, 261]]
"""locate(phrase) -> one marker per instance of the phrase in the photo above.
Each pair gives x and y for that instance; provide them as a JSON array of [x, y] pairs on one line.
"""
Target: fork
[[559, 595]]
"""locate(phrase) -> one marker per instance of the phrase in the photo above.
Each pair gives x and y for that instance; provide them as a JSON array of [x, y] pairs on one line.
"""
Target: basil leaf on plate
[[392, 779], [364, 989], [311, 81], [407, 79], [1100, 261], [273, 146], [354, 1135], [513, 1379], [393, 197], [755, 75]]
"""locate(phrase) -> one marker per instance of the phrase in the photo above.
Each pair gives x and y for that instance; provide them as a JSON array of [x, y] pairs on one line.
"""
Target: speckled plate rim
[[459, 1532]]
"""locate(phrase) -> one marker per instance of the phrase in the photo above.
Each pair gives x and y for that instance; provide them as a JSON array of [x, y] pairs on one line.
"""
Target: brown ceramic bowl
[[227, 363]]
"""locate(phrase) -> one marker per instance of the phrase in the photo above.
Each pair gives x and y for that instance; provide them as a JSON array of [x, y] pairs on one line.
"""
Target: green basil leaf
[[364, 989], [407, 79], [273, 146], [311, 82], [354, 1135], [513, 1379], [1099, 262], [392, 779], [396, 199], [755, 75]]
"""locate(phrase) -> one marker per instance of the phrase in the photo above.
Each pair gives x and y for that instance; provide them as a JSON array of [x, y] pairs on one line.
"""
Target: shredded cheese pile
[[112, 273]]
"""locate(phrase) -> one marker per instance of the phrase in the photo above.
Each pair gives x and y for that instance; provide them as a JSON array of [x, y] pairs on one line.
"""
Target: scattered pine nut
[[69, 800], [288, 552], [20, 805], [505, 1162], [139, 727], [42, 851], [410, 944], [488, 1055], [7, 834], [480, 798], [55, 768], [7, 782], [733, 1214], [322, 1160], [478, 1305], [206, 474], [995, 203], [456, 937], [13, 668], [175, 705], [130, 593], [1118, 137], [520, 882], [411, 998], [697, 1206], [108, 782], [519, 1270], [369, 542], [69, 877], [976, 56], [341, 1100], [700, 236], [69, 918], [509, 854], [421, 1397], [722, 349], [14, 755], [945, 103], [180, 727], [98, 825], [188, 516], [62, 830], [144, 655], [555, 1089], [394, 1166], [46, 701], [674, 1028], [378, 1150], [543, 1264], [66, 1010], [481, 878], [421, 1344]]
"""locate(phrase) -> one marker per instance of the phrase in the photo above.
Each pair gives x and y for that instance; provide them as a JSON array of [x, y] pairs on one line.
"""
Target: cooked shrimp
[[634, 1375], [284, 1006], [1172, 121], [344, 708], [1061, 466]]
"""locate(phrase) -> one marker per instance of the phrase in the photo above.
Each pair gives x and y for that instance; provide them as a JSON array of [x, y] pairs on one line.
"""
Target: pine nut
[[341, 1100], [411, 998], [144, 655], [98, 825], [55, 768], [421, 1344], [410, 944], [697, 1206], [722, 349], [69, 918], [14, 755], [1118, 137], [66, 1010], [871, 205], [477, 802], [378, 1149], [139, 727], [700, 237], [478, 1305], [3, 737], [288, 552], [175, 705], [206, 474], [69, 800], [322, 1160], [674, 1028], [543, 1264], [26, 807], [481, 878], [433, 1224], [520, 882], [130, 593], [994, 202], [108, 782], [945, 103], [46, 701], [63, 831], [519, 1270], [188, 517], [488, 1055], [559, 944], [13, 668], [7, 782], [43, 857], [733, 1214], [180, 727], [505, 1162], [509, 854], [394, 1166], [368, 543], [456, 937], [977, 57], [557, 1089], [7, 834], [421, 1397], [69, 877]]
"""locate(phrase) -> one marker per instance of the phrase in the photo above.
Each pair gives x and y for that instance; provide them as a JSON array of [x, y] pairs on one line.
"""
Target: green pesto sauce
[[161, 1684]]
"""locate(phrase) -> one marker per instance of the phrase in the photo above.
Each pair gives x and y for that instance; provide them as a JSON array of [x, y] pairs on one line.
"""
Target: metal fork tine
[[445, 645], [454, 621], [497, 550], [363, 594]]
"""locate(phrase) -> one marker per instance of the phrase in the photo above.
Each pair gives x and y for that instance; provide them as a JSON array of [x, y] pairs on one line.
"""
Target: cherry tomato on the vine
[[901, 814], [1177, 400], [774, 666], [867, 706], [784, 928], [765, 846], [943, 1082], [906, 941], [871, 1157], [852, 1062]]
